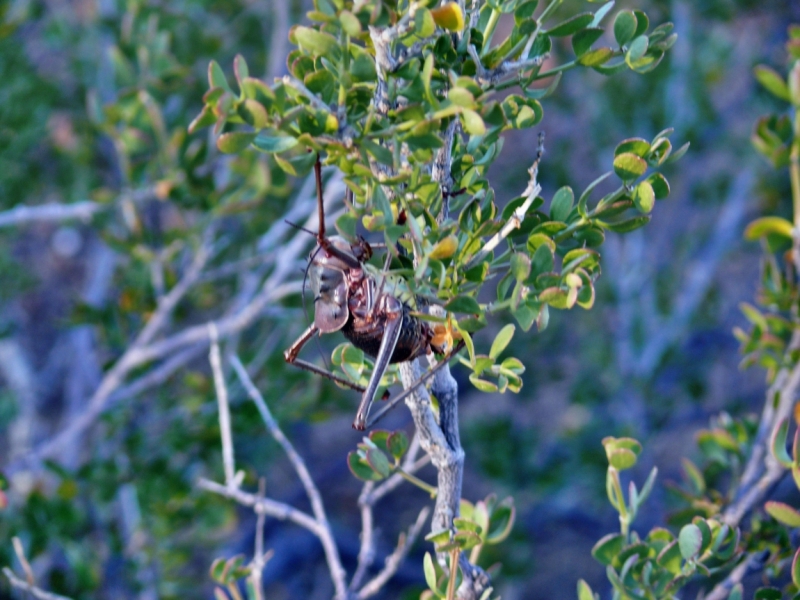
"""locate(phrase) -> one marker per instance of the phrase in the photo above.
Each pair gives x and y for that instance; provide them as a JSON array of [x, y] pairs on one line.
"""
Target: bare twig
[[158, 375], [223, 405], [699, 277], [273, 508], [751, 564], [143, 351], [491, 77], [30, 588], [370, 494], [324, 532], [396, 558], [762, 470], [23, 560], [260, 558], [530, 194], [51, 213]]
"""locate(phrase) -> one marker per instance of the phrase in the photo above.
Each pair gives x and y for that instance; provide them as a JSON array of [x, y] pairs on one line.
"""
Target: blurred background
[[95, 100]]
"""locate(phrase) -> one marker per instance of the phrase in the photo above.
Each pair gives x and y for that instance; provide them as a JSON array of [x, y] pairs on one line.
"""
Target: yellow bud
[[445, 248], [449, 16]]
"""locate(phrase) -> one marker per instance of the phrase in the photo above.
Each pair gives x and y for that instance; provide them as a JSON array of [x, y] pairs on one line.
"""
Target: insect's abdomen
[[413, 340]]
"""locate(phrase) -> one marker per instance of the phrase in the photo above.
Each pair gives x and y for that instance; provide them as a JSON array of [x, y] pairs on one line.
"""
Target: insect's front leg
[[290, 355], [393, 309]]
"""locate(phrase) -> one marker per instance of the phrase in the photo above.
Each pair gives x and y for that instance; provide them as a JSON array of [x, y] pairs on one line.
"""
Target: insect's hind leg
[[290, 355], [392, 330]]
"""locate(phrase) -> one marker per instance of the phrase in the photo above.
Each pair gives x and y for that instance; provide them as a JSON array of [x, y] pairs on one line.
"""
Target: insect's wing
[[330, 297], [329, 316]]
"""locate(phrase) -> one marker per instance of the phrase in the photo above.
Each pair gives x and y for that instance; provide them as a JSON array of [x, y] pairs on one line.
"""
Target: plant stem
[[451, 585], [794, 170], [489, 31], [549, 10], [416, 481]]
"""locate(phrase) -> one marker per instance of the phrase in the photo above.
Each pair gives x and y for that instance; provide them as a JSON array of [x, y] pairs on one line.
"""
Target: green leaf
[[621, 459], [772, 82], [766, 226], [216, 76], [316, 42], [628, 166], [204, 119], [778, 444], [624, 27], [642, 23], [502, 340], [636, 50], [783, 513], [768, 593], [614, 443], [397, 444], [525, 11], [678, 154], [361, 470], [582, 41], [525, 316], [378, 461], [644, 197], [670, 558], [461, 97], [636, 146], [473, 123], [253, 113], [520, 266], [659, 184], [347, 225], [595, 58], [463, 304], [274, 143], [424, 25], [236, 141], [628, 224], [430, 571], [584, 591], [561, 205], [466, 540], [572, 25], [240, 69], [607, 548], [449, 17], [690, 540], [501, 521], [381, 153], [379, 436], [796, 569], [482, 384], [350, 23], [539, 93], [602, 12], [217, 570]]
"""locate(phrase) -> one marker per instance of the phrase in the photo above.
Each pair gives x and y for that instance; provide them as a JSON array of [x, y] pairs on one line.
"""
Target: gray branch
[[324, 532], [30, 588], [50, 213]]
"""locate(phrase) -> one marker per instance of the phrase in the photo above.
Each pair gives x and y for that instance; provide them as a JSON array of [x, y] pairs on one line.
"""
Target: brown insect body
[[351, 297], [346, 298]]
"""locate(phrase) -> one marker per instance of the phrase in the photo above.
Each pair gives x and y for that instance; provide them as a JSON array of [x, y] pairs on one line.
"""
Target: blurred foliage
[[95, 103]]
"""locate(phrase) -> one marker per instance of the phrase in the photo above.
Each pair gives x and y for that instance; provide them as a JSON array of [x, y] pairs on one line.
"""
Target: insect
[[373, 312]]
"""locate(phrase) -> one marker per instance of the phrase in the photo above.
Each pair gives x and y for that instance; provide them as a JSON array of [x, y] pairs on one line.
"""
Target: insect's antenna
[[300, 227], [320, 207]]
